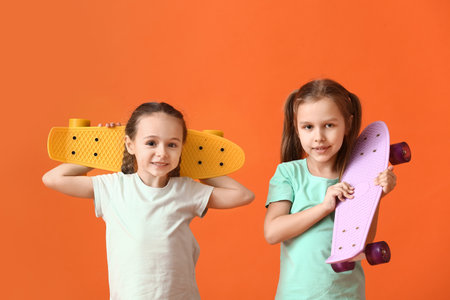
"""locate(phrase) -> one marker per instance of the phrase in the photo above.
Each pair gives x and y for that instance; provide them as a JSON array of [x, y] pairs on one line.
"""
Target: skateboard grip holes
[[353, 245], [222, 149], [375, 150], [200, 148], [221, 164], [357, 228], [95, 154], [378, 135], [73, 152], [340, 248], [96, 139], [74, 137], [362, 153], [199, 162]]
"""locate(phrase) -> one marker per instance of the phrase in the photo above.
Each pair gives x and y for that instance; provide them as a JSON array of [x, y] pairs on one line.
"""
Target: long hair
[[348, 104], [129, 161]]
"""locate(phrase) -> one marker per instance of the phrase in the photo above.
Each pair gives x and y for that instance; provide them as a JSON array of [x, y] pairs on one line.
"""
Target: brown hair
[[348, 104], [129, 161]]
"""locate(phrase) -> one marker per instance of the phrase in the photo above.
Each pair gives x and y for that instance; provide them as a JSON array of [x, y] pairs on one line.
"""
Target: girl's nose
[[161, 150], [318, 136]]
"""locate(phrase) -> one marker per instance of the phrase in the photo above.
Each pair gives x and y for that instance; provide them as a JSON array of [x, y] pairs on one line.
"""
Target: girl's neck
[[153, 181], [325, 169]]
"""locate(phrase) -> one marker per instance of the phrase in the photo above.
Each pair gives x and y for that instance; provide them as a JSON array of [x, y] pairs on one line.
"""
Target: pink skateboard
[[353, 217]]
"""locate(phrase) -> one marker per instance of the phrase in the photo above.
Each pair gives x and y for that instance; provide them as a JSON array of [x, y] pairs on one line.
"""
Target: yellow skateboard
[[205, 154]]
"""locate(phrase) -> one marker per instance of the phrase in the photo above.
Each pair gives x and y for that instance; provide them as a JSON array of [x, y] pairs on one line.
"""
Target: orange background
[[227, 65]]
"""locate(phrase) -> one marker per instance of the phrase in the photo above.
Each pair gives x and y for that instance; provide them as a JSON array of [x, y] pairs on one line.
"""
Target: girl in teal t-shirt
[[322, 122]]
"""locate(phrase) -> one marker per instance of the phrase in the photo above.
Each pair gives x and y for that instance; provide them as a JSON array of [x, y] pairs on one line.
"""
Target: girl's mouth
[[321, 149], [159, 164]]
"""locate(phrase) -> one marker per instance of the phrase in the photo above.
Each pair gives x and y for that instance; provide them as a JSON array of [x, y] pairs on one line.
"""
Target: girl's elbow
[[243, 197], [270, 237], [47, 180], [248, 197], [50, 180]]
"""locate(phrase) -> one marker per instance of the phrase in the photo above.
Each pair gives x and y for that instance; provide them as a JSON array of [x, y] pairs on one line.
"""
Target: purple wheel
[[378, 253], [399, 153], [343, 266]]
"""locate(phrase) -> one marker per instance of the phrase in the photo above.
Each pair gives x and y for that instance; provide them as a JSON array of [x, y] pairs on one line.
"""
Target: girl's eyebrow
[[157, 137], [323, 121]]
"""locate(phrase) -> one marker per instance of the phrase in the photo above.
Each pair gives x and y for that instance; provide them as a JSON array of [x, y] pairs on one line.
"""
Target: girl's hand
[[340, 191], [110, 125], [387, 180]]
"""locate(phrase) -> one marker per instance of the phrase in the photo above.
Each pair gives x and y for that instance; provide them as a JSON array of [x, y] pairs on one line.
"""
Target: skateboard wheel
[[343, 266], [215, 132], [79, 123], [399, 153], [378, 253]]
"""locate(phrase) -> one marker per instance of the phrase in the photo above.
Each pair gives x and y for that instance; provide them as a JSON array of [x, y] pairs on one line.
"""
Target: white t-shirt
[[150, 248]]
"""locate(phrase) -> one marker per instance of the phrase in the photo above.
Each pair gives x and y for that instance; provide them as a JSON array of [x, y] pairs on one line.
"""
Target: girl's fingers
[[347, 195], [387, 172], [348, 190], [346, 187], [381, 178], [109, 125], [385, 178], [341, 191], [342, 194]]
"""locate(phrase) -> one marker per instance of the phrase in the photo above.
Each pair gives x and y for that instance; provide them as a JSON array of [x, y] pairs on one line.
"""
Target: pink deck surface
[[353, 217]]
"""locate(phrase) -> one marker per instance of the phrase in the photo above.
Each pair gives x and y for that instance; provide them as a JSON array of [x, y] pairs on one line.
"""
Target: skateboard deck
[[204, 155], [353, 217]]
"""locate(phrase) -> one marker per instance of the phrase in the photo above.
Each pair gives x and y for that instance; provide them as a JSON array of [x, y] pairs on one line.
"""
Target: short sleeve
[[105, 186], [280, 186], [199, 194]]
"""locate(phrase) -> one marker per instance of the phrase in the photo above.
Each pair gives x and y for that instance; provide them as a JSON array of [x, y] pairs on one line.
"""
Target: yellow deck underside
[[204, 155]]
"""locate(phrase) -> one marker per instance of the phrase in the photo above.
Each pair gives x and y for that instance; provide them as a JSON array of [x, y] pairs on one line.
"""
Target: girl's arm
[[280, 226], [69, 179], [227, 193]]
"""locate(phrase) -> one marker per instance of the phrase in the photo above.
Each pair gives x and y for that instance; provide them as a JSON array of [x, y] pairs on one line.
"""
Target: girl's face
[[321, 129], [157, 147]]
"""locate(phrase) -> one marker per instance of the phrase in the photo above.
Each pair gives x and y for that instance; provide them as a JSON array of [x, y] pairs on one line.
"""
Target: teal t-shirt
[[303, 271]]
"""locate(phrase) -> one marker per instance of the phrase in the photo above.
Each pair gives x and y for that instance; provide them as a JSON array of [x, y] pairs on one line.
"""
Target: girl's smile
[[160, 164], [321, 150]]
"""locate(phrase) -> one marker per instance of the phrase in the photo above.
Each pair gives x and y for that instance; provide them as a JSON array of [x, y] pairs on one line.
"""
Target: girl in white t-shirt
[[147, 207]]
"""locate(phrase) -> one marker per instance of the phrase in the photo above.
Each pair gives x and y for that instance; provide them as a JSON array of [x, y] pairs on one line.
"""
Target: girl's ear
[[349, 124], [129, 145]]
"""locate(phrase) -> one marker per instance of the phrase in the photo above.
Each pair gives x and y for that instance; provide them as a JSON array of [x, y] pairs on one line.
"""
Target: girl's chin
[[324, 158]]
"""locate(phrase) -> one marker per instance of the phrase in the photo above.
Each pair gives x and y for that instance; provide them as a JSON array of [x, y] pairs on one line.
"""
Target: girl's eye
[[173, 145], [329, 125], [151, 143], [307, 127]]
